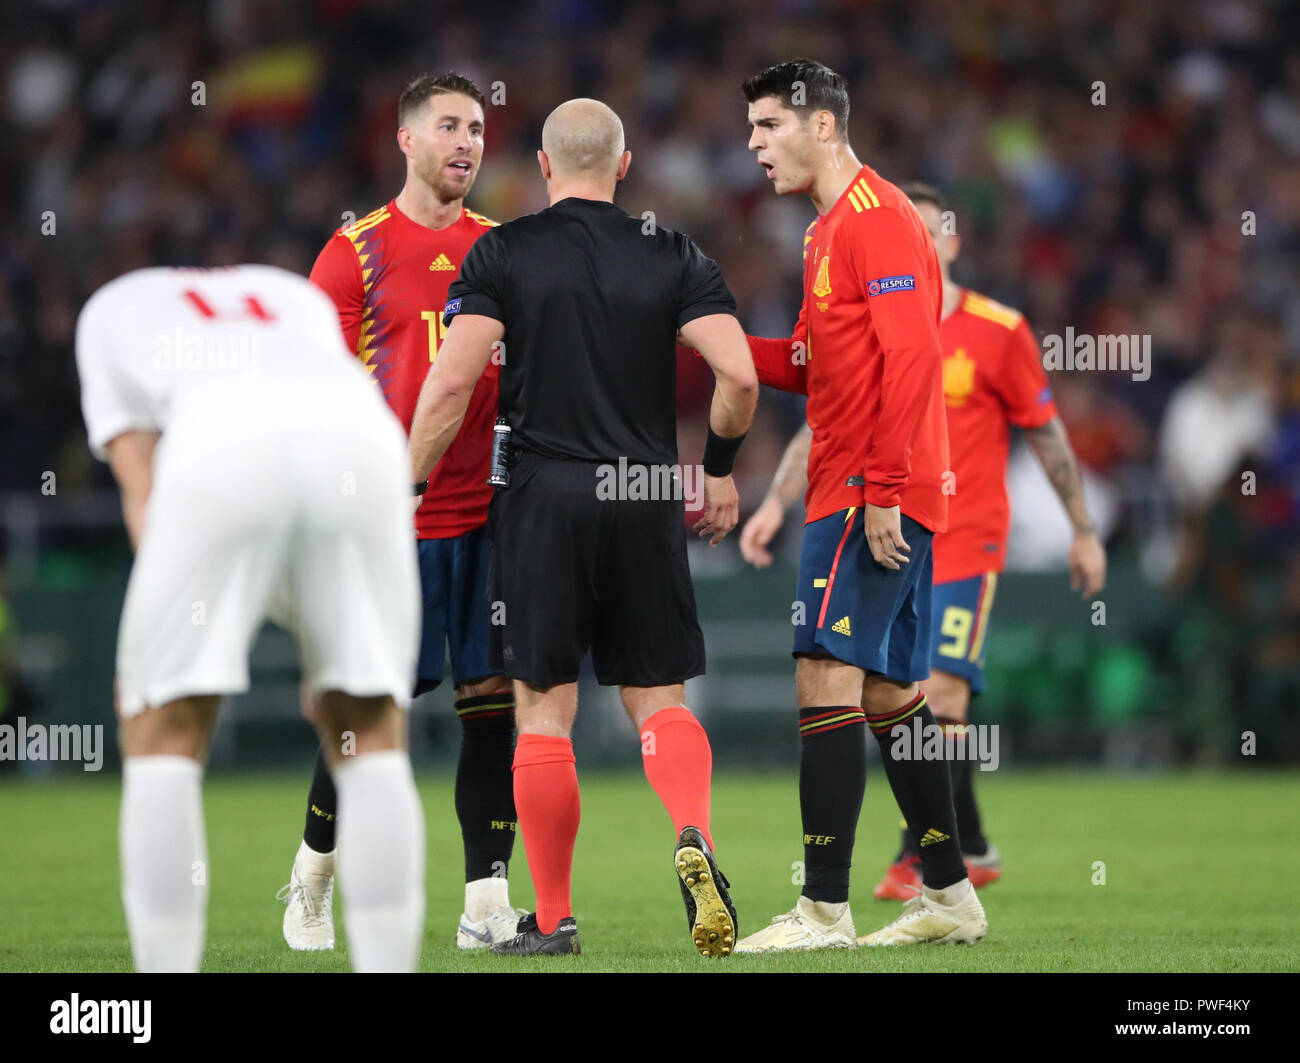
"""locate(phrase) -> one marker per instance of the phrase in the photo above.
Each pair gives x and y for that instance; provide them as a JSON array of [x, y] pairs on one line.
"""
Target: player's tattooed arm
[[1052, 449], [1087, 554]]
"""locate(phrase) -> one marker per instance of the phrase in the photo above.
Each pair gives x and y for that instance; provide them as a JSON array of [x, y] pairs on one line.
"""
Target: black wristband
[[720, 454], [421, 487]]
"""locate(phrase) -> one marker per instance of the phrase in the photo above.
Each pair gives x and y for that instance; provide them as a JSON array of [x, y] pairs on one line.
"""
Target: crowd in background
[[1113, 167]]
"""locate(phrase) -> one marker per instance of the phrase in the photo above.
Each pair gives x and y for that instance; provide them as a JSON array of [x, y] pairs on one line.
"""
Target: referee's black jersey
[[591, 299]]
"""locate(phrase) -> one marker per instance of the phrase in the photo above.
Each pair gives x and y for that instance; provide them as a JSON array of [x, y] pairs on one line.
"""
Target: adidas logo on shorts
[[841, 626]]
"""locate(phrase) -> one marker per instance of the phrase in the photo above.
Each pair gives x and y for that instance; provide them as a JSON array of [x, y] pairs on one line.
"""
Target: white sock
[[309, 862], [828, 912], [950, 895], [381, 860], [484, 896], [164, 862]]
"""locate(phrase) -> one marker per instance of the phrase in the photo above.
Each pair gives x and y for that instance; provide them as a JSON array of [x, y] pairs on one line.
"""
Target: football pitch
[[1196, 868]]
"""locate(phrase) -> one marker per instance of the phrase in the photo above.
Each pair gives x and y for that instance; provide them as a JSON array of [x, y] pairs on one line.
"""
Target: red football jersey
[[992, 377], [866, 352], [388, 276]]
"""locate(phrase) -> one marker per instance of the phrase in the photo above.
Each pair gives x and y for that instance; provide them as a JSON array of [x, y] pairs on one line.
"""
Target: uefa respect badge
[[905, 282]]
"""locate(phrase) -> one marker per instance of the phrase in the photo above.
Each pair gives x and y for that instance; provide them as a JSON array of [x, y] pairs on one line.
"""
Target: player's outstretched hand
[[721, 509], [759, 530], [1087, 564], [884, 529]]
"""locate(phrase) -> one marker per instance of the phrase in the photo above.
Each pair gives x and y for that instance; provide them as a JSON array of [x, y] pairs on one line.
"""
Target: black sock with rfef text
[[832, 778], [322, 809], [485, 786]]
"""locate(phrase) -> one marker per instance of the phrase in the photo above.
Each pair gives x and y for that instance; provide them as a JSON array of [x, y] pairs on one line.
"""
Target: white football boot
[[500, 925], [952, 916], [488, 917], [808, 925], [309, 901]]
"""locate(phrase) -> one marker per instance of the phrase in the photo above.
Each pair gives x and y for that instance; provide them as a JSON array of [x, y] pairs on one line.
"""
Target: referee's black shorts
[[572, 572]]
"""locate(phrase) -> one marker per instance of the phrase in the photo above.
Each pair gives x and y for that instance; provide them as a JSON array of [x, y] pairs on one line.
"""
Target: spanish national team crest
[[958, 377], [822, 285]]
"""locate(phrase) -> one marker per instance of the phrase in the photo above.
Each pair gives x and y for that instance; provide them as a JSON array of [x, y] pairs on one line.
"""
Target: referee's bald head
[[583, 139]]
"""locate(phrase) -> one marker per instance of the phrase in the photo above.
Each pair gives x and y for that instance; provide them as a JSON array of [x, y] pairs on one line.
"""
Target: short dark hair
[[823, 89], [427, 86], [920, 193]]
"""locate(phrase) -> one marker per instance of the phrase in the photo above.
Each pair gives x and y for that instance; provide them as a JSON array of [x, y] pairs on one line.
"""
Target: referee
[[582, 304]]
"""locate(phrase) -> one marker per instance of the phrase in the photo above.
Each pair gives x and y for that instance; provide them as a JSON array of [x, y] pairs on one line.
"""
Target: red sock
[[679, 764], [548, 808]]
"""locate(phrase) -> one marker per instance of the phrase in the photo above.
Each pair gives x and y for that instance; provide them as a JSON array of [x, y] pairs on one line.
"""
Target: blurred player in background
[[253, 455], [589, 303], [992, 378], [388, 275], [866, 352]]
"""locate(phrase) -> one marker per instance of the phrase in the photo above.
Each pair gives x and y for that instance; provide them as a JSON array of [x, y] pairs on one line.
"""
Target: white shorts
[[291, 503]]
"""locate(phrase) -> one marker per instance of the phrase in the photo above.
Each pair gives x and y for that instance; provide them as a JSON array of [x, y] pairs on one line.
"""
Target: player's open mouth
[[768, 168], [460, 166]]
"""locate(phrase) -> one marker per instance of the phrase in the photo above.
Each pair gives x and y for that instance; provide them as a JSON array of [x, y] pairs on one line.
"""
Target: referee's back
[[592, 300], [588, 302]]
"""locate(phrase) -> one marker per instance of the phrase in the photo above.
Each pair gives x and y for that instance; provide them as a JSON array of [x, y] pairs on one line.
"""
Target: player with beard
[[388, 275]]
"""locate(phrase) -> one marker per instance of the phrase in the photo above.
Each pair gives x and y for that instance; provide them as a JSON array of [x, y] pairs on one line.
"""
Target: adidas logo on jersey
[[441, 262], [933, 837], [841, 626]]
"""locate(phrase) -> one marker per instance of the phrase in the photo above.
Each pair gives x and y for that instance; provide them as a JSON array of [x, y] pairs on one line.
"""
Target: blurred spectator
[[1126, 169], [1217, 419]]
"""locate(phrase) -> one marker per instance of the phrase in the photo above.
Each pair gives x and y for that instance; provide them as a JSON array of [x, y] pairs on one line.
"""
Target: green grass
[[1197, 867]]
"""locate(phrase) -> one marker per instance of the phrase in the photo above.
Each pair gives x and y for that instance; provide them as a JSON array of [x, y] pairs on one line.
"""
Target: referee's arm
[[445, 394], [721, 342]]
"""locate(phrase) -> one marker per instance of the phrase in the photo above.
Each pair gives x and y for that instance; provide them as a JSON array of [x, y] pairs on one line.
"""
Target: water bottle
[[500, 475]]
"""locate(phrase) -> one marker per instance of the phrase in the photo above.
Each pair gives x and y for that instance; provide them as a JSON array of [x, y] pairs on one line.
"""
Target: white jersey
[[152, 340], [281, 485]]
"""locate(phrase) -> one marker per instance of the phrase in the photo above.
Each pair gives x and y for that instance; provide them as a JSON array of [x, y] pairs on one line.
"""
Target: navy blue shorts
[[858, 611], [455, 608], [961, 623]]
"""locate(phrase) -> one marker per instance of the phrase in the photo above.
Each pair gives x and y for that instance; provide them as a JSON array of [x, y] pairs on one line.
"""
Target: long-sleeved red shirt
[[866, 352]]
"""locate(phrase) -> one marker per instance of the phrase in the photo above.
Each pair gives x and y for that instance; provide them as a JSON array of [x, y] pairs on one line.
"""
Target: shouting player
[[388, 276], [992, 378], [866, 353], [277, 462]]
